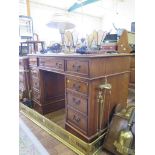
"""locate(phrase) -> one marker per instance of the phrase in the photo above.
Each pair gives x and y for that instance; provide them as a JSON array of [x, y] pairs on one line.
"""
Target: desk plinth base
[[68, 139]]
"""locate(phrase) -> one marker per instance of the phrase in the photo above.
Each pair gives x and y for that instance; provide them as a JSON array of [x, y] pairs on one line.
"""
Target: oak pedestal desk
[[87, 86]]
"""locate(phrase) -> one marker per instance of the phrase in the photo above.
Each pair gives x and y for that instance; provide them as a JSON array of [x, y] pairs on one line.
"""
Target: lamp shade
[[61, 22]]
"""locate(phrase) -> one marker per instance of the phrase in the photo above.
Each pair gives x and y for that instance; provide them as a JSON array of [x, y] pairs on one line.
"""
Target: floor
[[52, 145]]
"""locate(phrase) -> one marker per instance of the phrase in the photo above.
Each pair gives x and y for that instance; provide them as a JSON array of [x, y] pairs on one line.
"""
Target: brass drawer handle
[[76, 67], [76, 87], [59, 65], [76, 118], [76, 101]]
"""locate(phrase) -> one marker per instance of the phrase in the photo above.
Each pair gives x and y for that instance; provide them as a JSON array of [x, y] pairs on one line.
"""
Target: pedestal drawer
[[76, 85], [76, 119], [77, 101], [77, 66]]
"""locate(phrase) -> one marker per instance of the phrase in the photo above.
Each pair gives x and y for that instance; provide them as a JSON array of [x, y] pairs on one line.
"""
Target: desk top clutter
[[96, 42]]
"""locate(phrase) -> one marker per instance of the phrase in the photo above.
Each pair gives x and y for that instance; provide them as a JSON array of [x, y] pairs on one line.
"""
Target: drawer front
[[75, 66], [36, 95], [78, 102], [35, 83], [76, 85], [52, 63], [33, 61], [34, 73], [77, 119]]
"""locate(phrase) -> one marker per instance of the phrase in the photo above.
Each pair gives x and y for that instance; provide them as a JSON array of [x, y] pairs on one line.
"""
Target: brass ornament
[[124, 143]]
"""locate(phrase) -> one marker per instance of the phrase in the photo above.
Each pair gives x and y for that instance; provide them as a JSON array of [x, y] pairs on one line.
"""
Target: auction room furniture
[[24, 78], [88, 86]]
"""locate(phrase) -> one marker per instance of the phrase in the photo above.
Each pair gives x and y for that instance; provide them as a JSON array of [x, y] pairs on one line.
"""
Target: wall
[[122, 13], [42, 14], [119, 12]]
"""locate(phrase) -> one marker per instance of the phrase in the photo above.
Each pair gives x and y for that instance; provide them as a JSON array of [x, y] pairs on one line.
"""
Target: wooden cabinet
[[24, 78], [76, 82]]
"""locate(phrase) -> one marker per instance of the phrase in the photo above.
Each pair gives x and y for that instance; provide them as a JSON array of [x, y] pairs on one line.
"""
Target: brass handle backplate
[[76, 67], [76, 118]]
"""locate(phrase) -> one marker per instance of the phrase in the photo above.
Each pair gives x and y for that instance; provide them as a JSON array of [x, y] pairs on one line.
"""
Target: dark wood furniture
[[24, 78], [74, 82]]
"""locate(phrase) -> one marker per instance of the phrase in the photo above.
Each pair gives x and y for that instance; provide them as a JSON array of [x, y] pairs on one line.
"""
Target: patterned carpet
[[28, 143]]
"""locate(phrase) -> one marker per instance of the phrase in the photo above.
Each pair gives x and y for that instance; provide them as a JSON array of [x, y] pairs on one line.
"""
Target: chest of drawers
[[75, 82]]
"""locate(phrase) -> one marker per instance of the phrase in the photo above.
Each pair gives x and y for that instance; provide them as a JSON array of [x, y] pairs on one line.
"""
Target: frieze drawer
[[77, 119], [79, 67], [76, 85], [77, 101], [53, 63]]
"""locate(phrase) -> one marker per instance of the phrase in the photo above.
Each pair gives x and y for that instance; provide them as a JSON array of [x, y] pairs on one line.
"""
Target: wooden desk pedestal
[[24, 78], [72, 81]]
